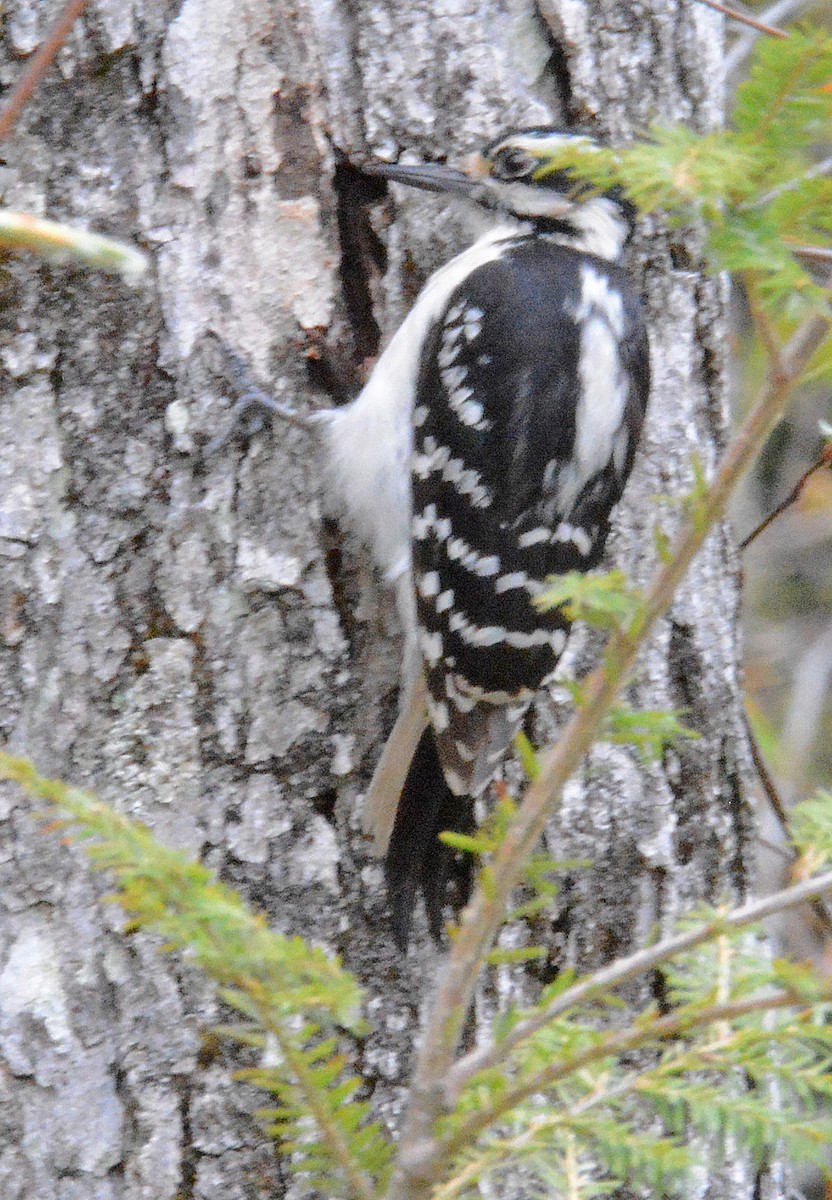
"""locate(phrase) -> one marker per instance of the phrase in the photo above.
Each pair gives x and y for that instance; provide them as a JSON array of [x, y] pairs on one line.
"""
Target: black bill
[[432, 177]]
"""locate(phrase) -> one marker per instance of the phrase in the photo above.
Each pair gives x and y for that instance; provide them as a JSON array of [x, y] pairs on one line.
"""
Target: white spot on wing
[[458, 550], [534, 536], [467, 482], [525, 641], [430, 643], [495, 635], [579, 538], [508, 583], [454, 781], [428, 584], [452, 377], [462, 701], [439, 716], [464, 752], [557, 639]]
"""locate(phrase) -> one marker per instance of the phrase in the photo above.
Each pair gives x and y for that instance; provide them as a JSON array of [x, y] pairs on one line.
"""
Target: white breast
[[369, 442]]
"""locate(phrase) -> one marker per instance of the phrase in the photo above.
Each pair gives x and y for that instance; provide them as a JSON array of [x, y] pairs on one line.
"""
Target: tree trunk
[[181, 630]]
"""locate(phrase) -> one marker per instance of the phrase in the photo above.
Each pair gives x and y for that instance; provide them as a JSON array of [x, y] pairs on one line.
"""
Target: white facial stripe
[[603, 228]]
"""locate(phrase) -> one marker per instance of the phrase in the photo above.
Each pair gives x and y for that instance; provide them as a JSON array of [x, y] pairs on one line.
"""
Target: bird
[[485, 453]]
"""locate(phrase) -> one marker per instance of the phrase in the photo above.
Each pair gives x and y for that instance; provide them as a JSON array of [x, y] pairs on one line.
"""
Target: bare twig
[[39, 64], [825, 460], [745, 19], [783, 10], [820, 906], [813, 254], [824, 167], [51, 239], [417, 1162], [766, 781]]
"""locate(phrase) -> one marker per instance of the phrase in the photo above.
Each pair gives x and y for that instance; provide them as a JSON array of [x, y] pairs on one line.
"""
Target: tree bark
[[185, 634]]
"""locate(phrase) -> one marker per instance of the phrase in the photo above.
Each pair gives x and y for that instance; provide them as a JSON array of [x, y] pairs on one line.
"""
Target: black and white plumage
[[485, 453]]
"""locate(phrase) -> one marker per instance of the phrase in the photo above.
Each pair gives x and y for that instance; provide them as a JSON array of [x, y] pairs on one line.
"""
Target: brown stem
[[745, 19], [812, 254], [39, 64], [825, 460]]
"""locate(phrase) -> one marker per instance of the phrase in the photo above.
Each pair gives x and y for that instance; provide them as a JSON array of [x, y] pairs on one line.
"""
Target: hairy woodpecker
[[485, 453]]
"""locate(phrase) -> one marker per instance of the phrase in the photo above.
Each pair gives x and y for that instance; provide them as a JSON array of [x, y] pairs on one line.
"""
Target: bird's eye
[[512, 163]]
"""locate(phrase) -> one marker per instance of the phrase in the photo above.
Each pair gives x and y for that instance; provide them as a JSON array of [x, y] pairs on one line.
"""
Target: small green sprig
[[649, 731], [63, 243], [605, 601]]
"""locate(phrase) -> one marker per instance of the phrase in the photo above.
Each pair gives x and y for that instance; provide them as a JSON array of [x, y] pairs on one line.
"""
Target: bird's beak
[[432, 177]]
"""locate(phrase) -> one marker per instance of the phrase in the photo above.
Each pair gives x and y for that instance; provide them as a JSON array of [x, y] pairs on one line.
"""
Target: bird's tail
[[416, 859]]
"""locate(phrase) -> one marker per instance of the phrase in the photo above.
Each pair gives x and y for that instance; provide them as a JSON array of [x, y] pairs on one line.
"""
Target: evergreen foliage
[[296, 1000], [751, 184]]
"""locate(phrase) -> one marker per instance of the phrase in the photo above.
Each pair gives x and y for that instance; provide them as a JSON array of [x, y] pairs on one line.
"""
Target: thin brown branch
[[744, 19], [825, 460], [775, 14], [39, 64], [624, 969], [813, 254], [766, 781], [417, 1162]]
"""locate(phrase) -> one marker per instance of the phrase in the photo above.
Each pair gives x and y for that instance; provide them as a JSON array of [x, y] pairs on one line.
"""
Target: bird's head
[[519, 176]]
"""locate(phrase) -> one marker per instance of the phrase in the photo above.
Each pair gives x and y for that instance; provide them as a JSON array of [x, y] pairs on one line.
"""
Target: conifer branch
[[645, 1033], [274, 980], [775, 14], [622, 970], [320, 1110], [823, 462]]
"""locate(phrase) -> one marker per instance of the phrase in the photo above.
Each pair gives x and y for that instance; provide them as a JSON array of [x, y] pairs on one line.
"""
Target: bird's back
[[528, 407]]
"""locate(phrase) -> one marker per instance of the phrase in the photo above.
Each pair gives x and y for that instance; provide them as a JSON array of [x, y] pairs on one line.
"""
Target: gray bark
[[185, 635]]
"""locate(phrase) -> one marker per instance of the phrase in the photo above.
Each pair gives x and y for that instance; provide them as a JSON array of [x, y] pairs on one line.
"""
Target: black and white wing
[[528, 410], [528, 407]]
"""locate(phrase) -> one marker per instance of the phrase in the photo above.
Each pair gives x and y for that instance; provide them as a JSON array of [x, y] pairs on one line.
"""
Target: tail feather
[[382, 798], [416, 859]]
